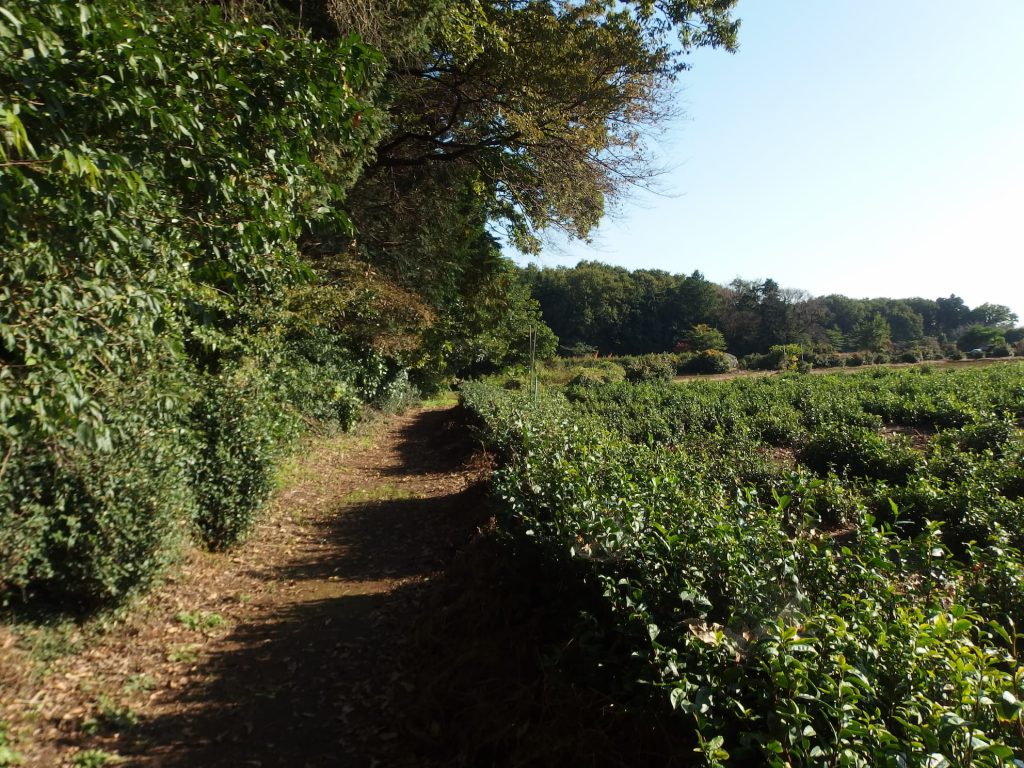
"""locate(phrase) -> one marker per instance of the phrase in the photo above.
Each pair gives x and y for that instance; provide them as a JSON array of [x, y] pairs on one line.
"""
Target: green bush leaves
[[158, 168], [857, 609]]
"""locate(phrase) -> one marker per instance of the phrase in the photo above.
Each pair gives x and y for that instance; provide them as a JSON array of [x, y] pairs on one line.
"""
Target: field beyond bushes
[[808, 570]]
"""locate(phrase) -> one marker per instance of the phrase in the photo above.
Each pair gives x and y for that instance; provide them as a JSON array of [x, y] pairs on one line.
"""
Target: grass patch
[[386, 492], [142, 683], [200, 621], [111, 717], [184, 653], [8, 756], [298, 468], [95, 758], [441, 400]]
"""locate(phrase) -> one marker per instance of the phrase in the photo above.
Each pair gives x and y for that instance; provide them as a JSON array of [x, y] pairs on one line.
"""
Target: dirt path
[[280, 653]]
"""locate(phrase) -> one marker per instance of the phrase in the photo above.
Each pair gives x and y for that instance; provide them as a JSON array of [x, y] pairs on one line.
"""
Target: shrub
[[784, 357], [861, 452], [712, 361], [776, 643], [1000, 350], [648, 368], [608, 371], [930, 348], [88, 525], [323, 392], [832, 503], [989, 433], [702, 337], [160, 166], [682, 361], [757, 361], [236, 428], [397, 394], [562, 371], [828, 360], [585, 377], [776, 424]]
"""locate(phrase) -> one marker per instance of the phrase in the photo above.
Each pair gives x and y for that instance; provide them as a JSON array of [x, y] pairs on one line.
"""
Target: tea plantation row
[[808, 570]]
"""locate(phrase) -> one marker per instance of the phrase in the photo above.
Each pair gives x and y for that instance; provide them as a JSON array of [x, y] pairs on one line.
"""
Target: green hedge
[[159, 166], [788, 614], [235, 423], [83, 525]]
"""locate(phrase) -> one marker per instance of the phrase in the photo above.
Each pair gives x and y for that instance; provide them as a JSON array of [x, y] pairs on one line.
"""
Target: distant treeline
[[595, 307]]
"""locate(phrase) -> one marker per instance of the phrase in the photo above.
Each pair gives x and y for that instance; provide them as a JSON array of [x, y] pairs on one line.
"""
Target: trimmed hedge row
[[787, 613]]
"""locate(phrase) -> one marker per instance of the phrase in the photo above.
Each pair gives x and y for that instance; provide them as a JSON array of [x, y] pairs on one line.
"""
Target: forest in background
[[598, 308], [224, 222]]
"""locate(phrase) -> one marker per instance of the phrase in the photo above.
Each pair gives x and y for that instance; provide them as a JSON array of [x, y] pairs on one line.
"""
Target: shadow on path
[[388, 638], [437, 441]]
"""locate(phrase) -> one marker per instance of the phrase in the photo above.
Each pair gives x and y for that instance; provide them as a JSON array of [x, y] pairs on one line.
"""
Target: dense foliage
[[809, 570], [158, 168]]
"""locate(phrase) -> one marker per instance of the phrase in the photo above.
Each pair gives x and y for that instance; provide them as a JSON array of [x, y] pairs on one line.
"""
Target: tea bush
[[648, 368], [83, 525], [860, 452], [237, 427], [710, 361], [159, 165], [790, 615], [316, 375]]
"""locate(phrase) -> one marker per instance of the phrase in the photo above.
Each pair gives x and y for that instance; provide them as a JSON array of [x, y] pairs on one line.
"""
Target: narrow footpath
[[282, 652]]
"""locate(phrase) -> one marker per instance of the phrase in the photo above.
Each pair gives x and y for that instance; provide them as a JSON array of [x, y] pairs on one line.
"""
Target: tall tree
[[872, 333], [994, 315], [549, 102], [952, 314]]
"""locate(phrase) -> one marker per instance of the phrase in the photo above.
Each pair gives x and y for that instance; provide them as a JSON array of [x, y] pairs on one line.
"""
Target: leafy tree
[[980, 337], [872, 333], [488, 324], [613, 310], [993, 315], [906, 324], [928, 309], [692, 301], [150, 194], [952, 314], [755, 315], [547, 103], [703, 336]]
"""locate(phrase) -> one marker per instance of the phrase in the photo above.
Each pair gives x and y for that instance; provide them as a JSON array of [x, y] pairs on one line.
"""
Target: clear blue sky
[[869, 148]]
